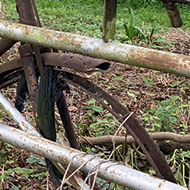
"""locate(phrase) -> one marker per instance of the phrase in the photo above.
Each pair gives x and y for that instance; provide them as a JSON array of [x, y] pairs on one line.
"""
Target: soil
[[132, 90]]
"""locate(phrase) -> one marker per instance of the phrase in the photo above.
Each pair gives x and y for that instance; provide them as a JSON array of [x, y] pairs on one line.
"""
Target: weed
[[118, 78], [134, 32], [165, 116], [14, 187], [131, 94], [96, 125], [1, 114], [160, 43], [92, 108], [148, 81], [35, 160], [180, 166], [131, 30]]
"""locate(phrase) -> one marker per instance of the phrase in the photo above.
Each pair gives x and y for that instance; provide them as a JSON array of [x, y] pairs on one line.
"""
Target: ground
[[139, 89]]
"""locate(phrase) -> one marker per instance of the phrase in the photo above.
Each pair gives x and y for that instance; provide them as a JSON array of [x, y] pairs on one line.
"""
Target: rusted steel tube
[[123, 53], [173, 14], [109, 22], [108, 170], [32, 132], [5, 44]]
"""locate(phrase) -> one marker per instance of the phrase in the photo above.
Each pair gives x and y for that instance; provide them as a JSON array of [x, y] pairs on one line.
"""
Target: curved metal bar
[[11, 65], [77, 62], [5, 45], [138, 132]]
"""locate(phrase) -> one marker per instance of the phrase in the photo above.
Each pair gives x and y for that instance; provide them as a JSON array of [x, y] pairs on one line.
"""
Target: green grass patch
[[86, 17]]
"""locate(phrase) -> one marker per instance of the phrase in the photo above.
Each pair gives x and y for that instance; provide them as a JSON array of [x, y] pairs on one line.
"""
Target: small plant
[[92, 108], [21, 172], [164, 116], [180, 166], [161, 43], [96, 124], [148, 81], [134, 32], [103, 127]]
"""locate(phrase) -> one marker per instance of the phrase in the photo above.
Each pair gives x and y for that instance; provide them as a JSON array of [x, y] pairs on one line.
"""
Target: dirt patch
[[180, 39]]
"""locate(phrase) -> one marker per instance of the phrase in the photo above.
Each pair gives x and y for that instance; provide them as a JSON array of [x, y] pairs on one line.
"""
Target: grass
[[85, 17]]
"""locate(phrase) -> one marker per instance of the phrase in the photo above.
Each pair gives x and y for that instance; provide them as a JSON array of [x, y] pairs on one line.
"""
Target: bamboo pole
[[123, 53], [107, 170]]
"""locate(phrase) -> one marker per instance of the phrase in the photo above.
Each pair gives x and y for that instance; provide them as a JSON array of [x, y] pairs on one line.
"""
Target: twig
[[189, 181], [113, 139], [120, 139], [74, 172]]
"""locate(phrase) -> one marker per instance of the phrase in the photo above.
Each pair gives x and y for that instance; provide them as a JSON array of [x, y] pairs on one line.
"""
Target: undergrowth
[[158, 108]]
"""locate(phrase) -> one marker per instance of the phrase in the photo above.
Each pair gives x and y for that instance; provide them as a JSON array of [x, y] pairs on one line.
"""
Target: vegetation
[[160, 101], [69, 15]]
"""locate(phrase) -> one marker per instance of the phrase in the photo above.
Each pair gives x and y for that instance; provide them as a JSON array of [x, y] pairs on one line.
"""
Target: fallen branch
[[168, 147], [108, 139]]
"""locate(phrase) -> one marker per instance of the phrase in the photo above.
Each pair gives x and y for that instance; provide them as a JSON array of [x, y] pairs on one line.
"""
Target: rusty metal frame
[[94, 48], [26, 16], [132, 125]]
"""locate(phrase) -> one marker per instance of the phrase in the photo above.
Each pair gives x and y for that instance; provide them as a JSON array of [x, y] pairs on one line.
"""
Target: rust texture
[[123, 53], [11, 65], [73, 61], [9, 82], [77, 62], [173, 14], [5, 44], [26, 16], [109, 22], [66, 119], [132, 125], [110, 171], [26, 53]]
